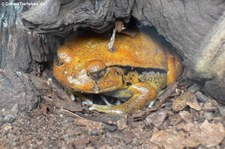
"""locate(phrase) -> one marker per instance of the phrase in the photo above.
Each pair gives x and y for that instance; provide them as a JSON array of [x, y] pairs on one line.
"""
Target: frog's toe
[[105, 101], [87, 103], [106, 109], [151, 104]]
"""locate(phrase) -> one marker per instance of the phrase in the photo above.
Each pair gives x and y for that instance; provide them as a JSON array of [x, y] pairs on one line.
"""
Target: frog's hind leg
[[151, 104], [143, 93]]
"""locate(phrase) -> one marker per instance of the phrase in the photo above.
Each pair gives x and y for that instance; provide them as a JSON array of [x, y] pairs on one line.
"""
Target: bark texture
[[20, 51], [189, 25], [184, 23], [197, 29], [62, 16]]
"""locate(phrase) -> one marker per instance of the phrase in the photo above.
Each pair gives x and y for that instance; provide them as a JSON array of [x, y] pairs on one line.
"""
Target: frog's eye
[[96, 69]]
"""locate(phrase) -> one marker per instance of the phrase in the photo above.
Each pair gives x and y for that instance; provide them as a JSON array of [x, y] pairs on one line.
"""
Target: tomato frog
[[135, 71]]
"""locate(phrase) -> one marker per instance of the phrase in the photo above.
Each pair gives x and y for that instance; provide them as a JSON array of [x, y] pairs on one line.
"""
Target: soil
[[182, 117]]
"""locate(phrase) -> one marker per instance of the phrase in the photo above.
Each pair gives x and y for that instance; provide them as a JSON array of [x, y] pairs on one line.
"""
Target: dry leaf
[[208, 134], [156, 118], [186, 116], [193, 103], [190, 135], [89, 124], [169, 139], [181, 102], [122, 123]]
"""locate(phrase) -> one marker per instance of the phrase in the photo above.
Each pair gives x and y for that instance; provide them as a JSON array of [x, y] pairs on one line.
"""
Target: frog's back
[[140, 51]]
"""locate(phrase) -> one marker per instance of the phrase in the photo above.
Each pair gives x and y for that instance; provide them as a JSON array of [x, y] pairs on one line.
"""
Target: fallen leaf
[[211, 105], [128, 136], [211, 134], [89, 124], [190, 135], [39, 82], [122, 123], [80, 142], [169, 139], [186, 116], [181, 102], [193, 103], [156, 118], [208, 134]]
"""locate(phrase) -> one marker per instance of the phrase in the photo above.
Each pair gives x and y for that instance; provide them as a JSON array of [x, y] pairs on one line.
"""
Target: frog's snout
[[96, 69]]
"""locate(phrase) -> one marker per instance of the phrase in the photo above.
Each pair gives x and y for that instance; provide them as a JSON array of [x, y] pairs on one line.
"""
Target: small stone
[[122, 124], [201, 97], [6, 128], [9, 118], [15, 109], [194, 88], [94, 132], [222, 110], [1, 119], [208, 115]]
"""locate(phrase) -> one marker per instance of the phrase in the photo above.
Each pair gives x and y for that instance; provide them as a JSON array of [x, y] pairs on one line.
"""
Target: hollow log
[[189, 25], [21, 51]]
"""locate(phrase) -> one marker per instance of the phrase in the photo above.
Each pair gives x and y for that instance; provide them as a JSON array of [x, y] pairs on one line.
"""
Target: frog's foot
[[87, 102], [105, 101], [106, 109], [143, 93], [151, 104]]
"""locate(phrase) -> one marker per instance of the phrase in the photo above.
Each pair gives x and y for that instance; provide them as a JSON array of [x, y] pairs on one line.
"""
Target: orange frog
[[134, 71]]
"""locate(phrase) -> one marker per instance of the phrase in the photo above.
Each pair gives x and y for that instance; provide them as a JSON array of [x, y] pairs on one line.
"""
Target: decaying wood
[[60, 17], [186, 24], [20, 49]]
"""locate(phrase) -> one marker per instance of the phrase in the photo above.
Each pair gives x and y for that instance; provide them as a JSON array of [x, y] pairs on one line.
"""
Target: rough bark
[[184, 23], [19, 50], [211, 66], [60, 17], [197, 29]]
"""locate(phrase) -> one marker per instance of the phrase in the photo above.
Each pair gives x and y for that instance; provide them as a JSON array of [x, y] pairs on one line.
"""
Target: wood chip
[[194, 134], [156, 118], [186, 116], [180, 102], [193, 103]]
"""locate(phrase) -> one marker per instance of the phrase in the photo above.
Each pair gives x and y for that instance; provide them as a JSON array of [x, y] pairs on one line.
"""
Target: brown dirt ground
[[182, 117]]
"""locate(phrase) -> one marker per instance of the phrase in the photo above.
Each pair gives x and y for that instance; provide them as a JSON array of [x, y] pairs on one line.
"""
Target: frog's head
[[90, 75]]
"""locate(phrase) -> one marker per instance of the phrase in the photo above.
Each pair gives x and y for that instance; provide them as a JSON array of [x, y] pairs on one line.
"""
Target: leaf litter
[[182, 119]]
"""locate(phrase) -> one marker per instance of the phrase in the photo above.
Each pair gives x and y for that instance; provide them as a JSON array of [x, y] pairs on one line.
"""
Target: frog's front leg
[[143, 93]]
